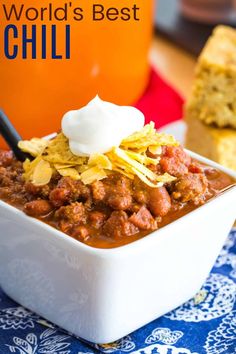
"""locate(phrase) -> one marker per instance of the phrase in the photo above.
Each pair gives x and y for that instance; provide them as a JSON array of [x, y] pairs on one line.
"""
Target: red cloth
[[160, 102]]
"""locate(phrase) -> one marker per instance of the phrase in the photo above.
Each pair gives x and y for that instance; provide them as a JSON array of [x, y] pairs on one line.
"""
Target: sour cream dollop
[[99, 126]]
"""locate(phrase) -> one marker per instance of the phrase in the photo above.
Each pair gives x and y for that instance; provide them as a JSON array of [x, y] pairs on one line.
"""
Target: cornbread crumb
[[214, 143], [213, 98]]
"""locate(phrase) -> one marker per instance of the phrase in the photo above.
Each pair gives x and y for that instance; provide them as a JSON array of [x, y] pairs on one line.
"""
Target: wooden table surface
[[174, 64]]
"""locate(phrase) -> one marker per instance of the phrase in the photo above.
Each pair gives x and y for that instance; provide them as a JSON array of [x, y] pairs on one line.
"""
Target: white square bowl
[[103, 294]]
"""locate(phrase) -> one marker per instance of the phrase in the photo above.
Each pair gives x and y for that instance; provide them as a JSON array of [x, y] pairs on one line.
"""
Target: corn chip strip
[[123, 172], [82, 168], [147, 137], [138, 166], [130, 172], [69, 172], [60, 166], [165, 139], [154, 140], [146, 180], [93, 174], [124, 167], [165, 178], [119, 166], [34, 146], [42, 173], [29, 167], [142, 158], [145, 132], [58, 151], [100, 160]]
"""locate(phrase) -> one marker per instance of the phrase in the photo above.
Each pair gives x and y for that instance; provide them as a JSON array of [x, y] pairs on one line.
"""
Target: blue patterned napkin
[[204, 325]]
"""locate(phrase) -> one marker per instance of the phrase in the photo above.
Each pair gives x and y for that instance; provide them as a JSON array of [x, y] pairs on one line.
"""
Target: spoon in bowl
[[12, 137]]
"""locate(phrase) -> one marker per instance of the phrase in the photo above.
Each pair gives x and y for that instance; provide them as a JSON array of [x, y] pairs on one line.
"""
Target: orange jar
[[76, 50]]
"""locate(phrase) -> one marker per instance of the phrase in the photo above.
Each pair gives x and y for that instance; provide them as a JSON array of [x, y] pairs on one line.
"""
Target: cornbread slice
[[213, 98], [214, 143]]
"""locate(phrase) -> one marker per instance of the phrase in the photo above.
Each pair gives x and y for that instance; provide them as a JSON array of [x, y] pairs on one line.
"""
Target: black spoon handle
[[11, 136]]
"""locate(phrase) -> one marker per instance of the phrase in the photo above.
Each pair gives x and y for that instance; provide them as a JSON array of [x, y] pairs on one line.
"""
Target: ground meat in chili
[[115, 210]]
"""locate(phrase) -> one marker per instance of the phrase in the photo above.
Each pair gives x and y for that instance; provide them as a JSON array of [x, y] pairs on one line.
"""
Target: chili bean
[[38, 207], [159, 201]]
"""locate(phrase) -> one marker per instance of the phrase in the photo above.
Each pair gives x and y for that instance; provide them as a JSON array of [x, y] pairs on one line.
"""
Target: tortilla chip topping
[[130, 159]]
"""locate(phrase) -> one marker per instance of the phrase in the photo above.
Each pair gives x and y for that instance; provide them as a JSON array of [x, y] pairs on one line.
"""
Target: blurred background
[[205, 79], [147, 63], [182, 28]]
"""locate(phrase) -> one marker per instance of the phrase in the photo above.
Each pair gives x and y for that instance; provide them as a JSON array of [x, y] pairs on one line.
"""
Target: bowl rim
[[132, 246]]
